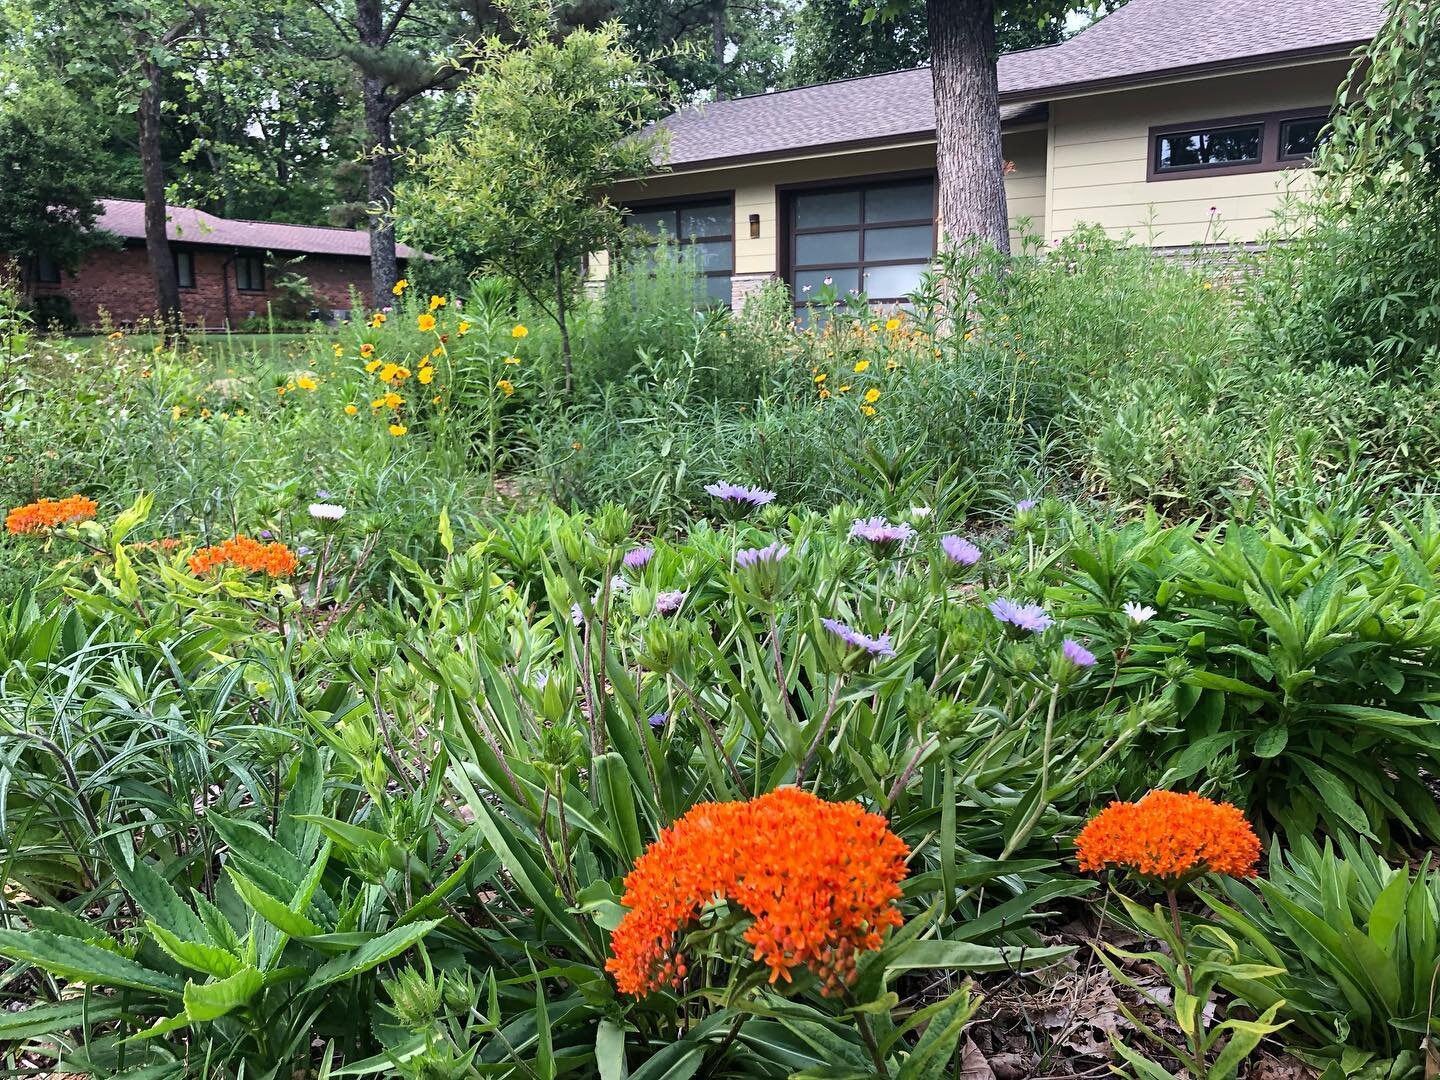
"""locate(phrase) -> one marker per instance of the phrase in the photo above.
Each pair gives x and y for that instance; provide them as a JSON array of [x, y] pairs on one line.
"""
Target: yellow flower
[[145, 373], [874, 326], [339, 350], [435, 400], [117, 335], [389, 373], [426, 322], [371, 367], [871, 396], [175, 412], [868, 410], [439, 350], [305, 382], [861, 366], [463, 328], [506, 387], [891, 365], [821, 378], [512, 360], [378, 403], [436, 302], [351, 410], [844, 388], [378, 319], [205, 414], [892, 324], [824, 393], [427, 374], [393, 400], [398, 429], [367, 350], [400, 286], [519, 331]]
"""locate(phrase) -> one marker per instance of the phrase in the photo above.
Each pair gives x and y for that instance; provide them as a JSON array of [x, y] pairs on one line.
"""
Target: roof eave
[[1270, 61]]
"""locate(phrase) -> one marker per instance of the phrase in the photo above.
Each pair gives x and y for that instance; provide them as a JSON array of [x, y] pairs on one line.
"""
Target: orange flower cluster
[[47, 513], [818, 879], [1170, 838], [276, 559]]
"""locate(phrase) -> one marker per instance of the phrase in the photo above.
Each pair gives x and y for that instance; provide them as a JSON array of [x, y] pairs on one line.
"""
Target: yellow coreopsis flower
[[519, 331], [175, 412], [205, 414], [844, 388], [426, 376], [868, 410], [861, 366], [117, 335], [512, 360], [399, 287], [305, 382], [824, 393], [821, 378], [351, 410], [372, 367], [378, 319], [389, 373], [426, 322], [367, 350], [436, 302], [398, 429], [463, 327], [892, 324], [379, 402], [339, 350], [393, 400], [506, 387], [871, 396]]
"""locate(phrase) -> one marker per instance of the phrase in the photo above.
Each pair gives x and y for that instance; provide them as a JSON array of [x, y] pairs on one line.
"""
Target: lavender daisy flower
[[770, 553], [658, 721], [1029, 617], [302, 551], [326, 511], [619, 585], [638, 558], [1025, 504], [736, 495], [1138, 613], [959, 551], [875, 646], [266, 534], [1077, 654], [878, 531], [667, 603], [577, 616]]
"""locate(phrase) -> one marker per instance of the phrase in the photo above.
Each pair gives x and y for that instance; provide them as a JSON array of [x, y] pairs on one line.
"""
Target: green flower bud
[[662, 646], [1020, 658], [613, 524]]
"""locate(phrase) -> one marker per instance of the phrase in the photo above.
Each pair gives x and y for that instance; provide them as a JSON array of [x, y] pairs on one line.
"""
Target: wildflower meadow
[[1040, 678]]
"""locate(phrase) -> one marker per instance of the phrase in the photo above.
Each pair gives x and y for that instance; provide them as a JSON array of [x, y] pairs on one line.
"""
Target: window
[[250, 273], [185, 269], [1301, 138], [705, 229], [1241, 144], [876, 239], [1214, 146], [47, 270]]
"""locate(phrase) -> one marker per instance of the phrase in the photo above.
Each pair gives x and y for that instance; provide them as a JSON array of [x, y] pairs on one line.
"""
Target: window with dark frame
[[47, 270], [877, 239], [1241, 144], [185, 269], [250, 273], [705, 229]]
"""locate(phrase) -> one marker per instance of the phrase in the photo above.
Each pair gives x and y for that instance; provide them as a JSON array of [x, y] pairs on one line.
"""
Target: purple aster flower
[[618, 585], [266, 534], [875, 646], [877, 530], [1077, 654], [302, 551], [657, 721], [738, 495], [323, 495], [959, 551], [1029, 617], [1025, 504], [667, 603], [577, 616], [770, 553], [637, 558]]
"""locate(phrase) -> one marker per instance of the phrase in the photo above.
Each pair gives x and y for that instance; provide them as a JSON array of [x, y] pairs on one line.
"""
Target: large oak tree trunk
[[380, 157], [970, 164], [152, 170]]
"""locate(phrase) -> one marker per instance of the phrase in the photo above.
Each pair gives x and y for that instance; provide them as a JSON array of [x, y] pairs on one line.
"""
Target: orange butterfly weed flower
[[818, 879], [275, 559], [48, 513], [1170, 838]]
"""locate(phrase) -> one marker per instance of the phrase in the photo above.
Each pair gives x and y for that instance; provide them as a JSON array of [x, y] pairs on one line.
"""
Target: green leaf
[[372, 954], [210, 959], [73, 959], [930, 1060], [212, 1000], [157, 898], [40, 1020], [610, 1051], [967, 956], [273, 911], [1271, 741]]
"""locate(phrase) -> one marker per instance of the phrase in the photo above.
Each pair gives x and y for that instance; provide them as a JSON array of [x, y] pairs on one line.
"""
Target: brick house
[[229, 270]]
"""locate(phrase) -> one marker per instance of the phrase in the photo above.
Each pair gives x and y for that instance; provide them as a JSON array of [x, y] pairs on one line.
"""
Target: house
[[1180, 121], [229, 270]]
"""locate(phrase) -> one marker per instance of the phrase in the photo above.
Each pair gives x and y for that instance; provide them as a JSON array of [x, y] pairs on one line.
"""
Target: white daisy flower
[[1138, 613]]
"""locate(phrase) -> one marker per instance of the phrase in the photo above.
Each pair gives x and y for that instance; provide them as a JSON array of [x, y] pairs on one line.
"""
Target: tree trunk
[[970, 164], [152, 169], [380, 157], [561, 321], [718, 38]]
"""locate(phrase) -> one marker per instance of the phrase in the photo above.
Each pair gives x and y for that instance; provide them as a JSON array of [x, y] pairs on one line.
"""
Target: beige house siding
[[755, 186], [1100, 146]]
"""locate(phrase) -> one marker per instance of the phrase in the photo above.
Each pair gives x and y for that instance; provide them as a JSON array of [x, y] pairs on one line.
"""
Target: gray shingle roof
[[1143, 40], [126, 218]]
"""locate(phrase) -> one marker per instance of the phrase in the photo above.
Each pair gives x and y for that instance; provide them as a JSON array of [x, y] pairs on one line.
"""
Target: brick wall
[[118, 282]]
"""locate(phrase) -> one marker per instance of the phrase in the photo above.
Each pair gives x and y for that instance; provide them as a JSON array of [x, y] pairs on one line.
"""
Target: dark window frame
[[787, 193], [1298, 159], [182, 259], [690, 202], [258, 261], [47, 270], [1270, 160]]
